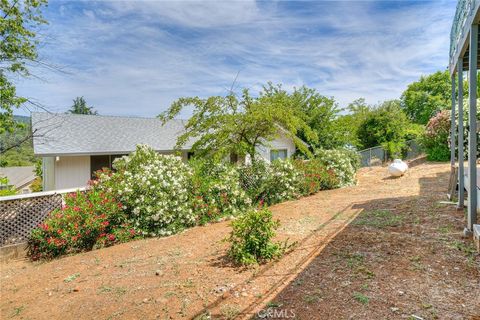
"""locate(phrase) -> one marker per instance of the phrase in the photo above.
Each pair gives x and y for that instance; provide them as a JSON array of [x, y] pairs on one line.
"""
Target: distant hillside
[[22, 119], [21, 155]]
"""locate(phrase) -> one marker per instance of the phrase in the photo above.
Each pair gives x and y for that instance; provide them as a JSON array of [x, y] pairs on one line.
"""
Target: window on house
[[278, 154], [100, 162]]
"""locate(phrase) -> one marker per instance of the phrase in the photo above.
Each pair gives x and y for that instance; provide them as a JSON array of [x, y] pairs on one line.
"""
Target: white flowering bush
[[271, 183], [154, 189], [343, 163], [217, 191], [162, 195], [283, 182]]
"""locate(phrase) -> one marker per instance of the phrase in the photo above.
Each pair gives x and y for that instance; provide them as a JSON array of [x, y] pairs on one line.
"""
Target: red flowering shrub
[[436, 137], [316, 177], [88, 220]]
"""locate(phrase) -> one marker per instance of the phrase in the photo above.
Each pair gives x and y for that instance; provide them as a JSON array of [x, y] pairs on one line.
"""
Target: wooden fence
[[20, 214]]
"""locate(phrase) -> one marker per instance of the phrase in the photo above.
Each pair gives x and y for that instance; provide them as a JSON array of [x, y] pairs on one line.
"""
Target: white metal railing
[[464, 10], [41, 194], [19, 214]]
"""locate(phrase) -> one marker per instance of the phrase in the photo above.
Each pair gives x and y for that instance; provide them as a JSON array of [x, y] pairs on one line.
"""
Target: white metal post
[[452, 126], [472, 133], [461, 170]]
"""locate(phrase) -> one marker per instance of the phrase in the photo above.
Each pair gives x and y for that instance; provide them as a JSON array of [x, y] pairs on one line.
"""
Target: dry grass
[[383, 249]]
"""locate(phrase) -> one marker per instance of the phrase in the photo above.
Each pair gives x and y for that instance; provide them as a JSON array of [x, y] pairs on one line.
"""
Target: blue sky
[[136, 57]]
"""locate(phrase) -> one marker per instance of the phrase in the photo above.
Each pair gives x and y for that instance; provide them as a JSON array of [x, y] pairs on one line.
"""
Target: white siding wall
[[48, 172], [72, 172], [281, 142]]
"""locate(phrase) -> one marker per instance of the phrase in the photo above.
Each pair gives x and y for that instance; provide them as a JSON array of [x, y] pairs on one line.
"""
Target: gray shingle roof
[[68, 134], [18, 176]]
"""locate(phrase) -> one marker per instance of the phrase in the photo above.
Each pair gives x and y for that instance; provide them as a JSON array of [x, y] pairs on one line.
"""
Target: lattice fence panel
[[18, 217]]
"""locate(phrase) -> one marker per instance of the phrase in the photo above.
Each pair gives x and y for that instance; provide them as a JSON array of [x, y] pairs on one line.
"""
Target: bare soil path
[[384, 249]]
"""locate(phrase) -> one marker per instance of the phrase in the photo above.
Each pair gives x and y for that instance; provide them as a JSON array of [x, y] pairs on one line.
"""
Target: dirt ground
[[384, 249]]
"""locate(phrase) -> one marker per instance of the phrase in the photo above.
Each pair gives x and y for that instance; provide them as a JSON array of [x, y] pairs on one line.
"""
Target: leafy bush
[[36, 185], [271, 183], [353, 157], [388, 126], [283, 182], [7, 189], [90, 219], [436, 136], [217, 191], [254, 180], [315, 176], [342, 163], [155, 190], [251, 238]]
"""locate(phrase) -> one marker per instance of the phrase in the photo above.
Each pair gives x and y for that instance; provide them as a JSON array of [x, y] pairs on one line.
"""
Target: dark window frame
[[107, 163]]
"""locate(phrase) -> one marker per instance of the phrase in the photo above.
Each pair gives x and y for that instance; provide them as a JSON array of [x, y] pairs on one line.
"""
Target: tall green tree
[[320, 113], [348, 124], [19, 21], [80, 107], [425, 97], [231, 124], [388, 126]]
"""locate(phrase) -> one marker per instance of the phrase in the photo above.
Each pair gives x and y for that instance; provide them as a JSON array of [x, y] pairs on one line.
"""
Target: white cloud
[[137, 57], [198, 14]]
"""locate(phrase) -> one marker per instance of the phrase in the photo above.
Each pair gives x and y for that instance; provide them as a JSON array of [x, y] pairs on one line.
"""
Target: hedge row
[[150, 194]]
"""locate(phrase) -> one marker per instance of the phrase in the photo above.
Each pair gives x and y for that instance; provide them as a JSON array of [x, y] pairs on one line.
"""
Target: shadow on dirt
[[391, 261]]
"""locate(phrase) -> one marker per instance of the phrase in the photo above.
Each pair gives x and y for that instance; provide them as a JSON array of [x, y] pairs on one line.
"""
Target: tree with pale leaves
[[237, 125]]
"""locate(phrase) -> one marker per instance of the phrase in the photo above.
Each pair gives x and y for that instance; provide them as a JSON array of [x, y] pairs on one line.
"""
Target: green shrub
[[438, 153], [283, 182], [155, 190], [90, 219], [7, 189], [436, 136], [342, 163], [315, 176], [271, 183], [386, 125], [353, 157], [217, 192], [254, 179], [251, 238], [37, 185]]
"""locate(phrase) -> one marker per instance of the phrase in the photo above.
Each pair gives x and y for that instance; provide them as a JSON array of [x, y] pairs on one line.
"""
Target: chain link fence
[[377, 156]]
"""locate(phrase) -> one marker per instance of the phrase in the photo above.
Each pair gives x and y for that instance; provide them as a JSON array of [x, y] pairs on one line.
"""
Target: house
[[73, 146], [19, 177]]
